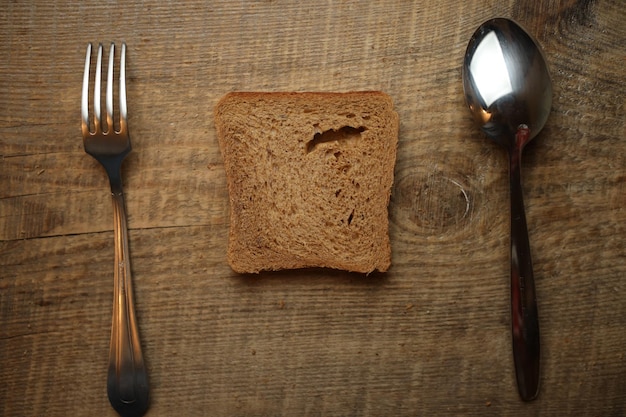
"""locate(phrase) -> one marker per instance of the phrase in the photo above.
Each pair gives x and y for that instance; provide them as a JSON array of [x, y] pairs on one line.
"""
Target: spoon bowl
[[509, 92], [506, 81]]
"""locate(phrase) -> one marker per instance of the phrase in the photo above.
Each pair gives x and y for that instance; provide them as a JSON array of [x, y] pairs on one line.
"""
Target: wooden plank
[[430, 337]]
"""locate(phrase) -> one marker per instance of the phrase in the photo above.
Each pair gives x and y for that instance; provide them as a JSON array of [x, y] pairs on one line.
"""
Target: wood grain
[[430, 337]]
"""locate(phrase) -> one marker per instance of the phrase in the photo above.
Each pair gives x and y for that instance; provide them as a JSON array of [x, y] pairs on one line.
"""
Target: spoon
[[508, 90]]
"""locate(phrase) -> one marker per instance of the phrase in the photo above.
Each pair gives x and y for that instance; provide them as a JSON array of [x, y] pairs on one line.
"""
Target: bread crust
[[309, 179]]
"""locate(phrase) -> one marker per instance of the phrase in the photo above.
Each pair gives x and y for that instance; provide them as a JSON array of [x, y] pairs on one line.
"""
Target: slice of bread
[[309, 178]]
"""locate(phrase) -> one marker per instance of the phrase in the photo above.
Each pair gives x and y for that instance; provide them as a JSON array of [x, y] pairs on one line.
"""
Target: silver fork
[[127, 381]]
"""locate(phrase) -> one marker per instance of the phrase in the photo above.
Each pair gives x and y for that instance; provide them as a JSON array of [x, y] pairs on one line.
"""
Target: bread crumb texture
[[309, 179]]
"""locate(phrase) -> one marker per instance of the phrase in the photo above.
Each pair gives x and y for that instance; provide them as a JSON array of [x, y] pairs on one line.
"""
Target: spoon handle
[[524, 319]]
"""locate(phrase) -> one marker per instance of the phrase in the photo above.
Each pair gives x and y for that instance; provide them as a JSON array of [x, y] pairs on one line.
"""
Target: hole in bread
[[350, 217], [343, 134]]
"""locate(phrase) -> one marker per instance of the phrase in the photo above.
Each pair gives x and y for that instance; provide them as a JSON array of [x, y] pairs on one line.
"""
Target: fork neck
[[115, 180]]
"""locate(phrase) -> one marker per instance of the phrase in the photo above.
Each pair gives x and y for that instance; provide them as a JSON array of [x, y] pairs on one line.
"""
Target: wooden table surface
[[429, 337]]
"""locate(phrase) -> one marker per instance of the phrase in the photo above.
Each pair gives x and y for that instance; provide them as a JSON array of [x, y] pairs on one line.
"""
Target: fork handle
[[127, 382]]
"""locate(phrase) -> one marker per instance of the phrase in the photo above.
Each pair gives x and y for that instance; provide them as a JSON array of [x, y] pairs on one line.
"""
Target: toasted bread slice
[[309, 178]]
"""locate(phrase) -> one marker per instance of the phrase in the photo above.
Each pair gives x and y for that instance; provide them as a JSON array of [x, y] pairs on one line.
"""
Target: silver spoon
[[508, 90]]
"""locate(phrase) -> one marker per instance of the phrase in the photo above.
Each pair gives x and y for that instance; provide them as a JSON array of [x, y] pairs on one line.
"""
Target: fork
[[127, 381]]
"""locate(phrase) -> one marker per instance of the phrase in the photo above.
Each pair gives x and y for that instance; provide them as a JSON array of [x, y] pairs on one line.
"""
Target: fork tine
[[109, 93], [84, 107], [123, 110], [96, 90]]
